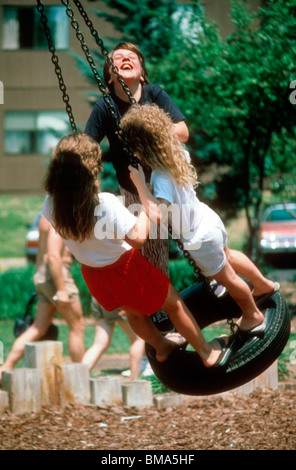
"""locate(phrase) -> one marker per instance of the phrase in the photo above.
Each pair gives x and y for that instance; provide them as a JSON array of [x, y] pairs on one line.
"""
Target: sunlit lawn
[[16, 212], [120, 343]]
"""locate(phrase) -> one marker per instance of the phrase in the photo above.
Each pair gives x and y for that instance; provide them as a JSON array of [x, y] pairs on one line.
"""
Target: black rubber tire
[[183, 372]]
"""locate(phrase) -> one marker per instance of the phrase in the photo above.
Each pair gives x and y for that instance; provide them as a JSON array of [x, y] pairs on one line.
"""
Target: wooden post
[[24, 390], [76, 383], [137, 393], [4, 401], [48, 357], [105, 391]]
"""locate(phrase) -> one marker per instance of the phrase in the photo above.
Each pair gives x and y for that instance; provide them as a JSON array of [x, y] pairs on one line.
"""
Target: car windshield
[[279, 215]]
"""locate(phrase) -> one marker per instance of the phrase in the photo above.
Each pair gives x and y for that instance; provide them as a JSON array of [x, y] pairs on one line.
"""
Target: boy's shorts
[[99, 313], [132, 281], [45, 287]]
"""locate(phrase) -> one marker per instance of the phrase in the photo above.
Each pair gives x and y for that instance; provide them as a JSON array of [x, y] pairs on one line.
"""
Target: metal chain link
[[197, 271], [232, 325], [55, 61], [120, 133], [104, 51]]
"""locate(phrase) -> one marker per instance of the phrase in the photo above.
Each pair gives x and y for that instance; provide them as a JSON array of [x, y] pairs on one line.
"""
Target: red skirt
[[132, 282]]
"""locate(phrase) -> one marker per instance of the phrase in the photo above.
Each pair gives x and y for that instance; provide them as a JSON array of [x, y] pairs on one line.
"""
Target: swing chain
[[104, 51], [120, 132], [197, 271], [232, 325], [55, 61], [90, 60], [198, 274]]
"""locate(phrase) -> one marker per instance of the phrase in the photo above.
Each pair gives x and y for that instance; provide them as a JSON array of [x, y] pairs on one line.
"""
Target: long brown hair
[[151, 135], [72, 182]]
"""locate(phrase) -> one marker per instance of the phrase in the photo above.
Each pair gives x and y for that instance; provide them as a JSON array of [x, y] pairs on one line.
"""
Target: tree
[[149, 23], [234, 91]]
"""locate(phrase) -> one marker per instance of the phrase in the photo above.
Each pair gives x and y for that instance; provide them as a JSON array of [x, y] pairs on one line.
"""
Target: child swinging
[[151, 137]]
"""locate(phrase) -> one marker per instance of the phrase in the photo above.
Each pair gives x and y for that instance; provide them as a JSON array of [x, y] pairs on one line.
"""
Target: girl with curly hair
[[105, 237], [151, 137], [129, 61]]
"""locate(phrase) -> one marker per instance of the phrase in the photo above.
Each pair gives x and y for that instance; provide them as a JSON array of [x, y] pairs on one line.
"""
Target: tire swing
[[183, 371]]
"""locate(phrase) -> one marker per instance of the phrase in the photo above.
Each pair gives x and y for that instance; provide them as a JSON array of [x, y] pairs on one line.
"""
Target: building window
[[22, 28], [33, 132]]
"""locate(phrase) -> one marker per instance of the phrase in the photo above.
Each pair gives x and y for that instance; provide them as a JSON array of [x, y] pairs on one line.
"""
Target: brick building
[[32, 114]]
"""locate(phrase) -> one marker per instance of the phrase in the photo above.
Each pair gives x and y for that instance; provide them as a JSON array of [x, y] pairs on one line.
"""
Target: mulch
[[263, 420]]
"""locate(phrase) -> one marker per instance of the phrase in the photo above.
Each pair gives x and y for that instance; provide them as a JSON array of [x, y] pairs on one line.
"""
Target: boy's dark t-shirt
[[102, 124]]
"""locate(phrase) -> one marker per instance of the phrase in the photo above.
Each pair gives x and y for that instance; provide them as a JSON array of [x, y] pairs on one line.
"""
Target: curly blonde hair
[[151, 136], [72, 181]]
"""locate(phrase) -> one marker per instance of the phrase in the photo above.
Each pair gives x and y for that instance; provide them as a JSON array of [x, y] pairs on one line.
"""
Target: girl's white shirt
[[190, 218], [106, 245]]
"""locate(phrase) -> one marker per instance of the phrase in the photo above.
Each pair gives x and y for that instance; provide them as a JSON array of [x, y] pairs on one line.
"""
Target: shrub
[[181, 274], [16, 286]]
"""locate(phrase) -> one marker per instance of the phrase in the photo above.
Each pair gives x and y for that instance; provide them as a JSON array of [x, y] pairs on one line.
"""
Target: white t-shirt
[[106, 245], [190, 218]]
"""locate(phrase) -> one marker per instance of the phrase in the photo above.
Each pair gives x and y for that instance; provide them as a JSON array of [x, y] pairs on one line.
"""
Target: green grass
[[119, 345], [16, 212]]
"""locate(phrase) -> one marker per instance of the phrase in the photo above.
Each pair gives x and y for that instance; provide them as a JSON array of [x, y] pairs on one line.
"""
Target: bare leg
[[137, 349], [73, 315], [103, 336], [44, 315], [187, 326], [240, 292], [183, 321], [145, 329], [245, 267]]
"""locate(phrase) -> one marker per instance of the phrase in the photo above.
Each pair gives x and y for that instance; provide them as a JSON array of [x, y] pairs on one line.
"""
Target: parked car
[[278, 229], [32, 238]]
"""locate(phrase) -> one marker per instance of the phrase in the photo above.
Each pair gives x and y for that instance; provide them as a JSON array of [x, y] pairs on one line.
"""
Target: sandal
[[181, 344], [259, 299], [256, 331], [226, 353]]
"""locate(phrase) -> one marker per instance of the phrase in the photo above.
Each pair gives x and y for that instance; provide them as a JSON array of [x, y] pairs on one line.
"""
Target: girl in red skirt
[[106, 238]]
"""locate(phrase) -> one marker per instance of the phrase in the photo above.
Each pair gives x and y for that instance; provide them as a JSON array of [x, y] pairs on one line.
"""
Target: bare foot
[[175, 340], [266, 288], [215, 351]]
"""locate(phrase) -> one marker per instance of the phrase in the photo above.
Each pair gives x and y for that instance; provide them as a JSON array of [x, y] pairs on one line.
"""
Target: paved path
[[6, 263]]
